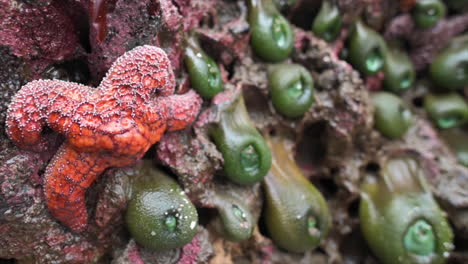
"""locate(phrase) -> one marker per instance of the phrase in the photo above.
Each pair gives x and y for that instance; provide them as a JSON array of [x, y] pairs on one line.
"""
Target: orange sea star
[[110, 126]]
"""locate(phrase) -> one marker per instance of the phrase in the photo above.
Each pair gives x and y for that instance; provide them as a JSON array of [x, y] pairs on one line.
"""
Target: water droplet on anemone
[[193, 224]]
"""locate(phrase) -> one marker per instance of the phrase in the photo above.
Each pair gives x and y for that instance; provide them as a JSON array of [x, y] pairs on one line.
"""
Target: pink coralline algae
[[110, 126], [44, 30]]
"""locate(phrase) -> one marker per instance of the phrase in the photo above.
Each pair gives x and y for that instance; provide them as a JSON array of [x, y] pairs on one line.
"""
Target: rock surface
[[335, 144]]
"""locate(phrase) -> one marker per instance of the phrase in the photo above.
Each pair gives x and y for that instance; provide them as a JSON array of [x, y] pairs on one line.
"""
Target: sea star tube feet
[[110, 126]]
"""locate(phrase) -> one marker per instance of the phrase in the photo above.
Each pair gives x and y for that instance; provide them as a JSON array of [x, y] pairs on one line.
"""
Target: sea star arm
[[67, 177], [40, 103], [181, 109], [143, 72]]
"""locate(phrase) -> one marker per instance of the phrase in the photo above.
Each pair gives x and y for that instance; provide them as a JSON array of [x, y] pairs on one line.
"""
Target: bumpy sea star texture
[[112, 125]]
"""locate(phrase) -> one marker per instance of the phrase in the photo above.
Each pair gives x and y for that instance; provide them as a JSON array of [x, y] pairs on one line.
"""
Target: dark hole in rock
[[417, 102], [318, 87], [320, 250], [334, 171], [78, 70], [153, 9], [353, 208], [215, 50], [55, 72], [303, 14], [230, 69], [257, 104], [356, 252], [460, 243], [207, 21], [327, 187], [272, 132], [206, 215], [202, 22], [73, 71], [168, 172], [150, 153], [41, 171], [81, 22], [372, 168], [261, 224], [107, 258], [305, 44], [311, 148], [8, 261]]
